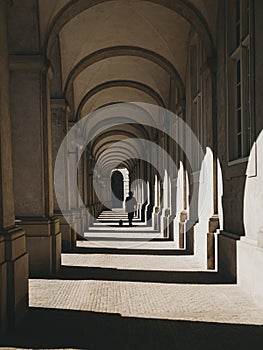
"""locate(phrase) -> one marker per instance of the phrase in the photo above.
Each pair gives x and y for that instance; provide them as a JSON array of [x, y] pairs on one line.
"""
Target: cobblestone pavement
[[194, 302], [136, 299]]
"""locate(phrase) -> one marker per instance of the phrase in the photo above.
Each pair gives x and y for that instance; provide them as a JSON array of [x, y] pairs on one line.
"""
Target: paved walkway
[[185, 300], [148, 297]]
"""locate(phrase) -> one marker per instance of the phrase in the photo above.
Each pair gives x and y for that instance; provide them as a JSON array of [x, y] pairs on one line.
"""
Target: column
[[13, 256], [32, 154], [90, 197], [85, 189], [156, 208], [59, 113], [209, 72], [182, 195]]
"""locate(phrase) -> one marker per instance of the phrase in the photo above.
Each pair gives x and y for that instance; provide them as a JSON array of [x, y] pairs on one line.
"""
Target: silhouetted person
[[130, 204]]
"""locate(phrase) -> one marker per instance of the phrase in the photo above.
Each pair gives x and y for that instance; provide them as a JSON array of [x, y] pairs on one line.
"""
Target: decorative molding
[[59, 103], [30, 63], [231, 235]]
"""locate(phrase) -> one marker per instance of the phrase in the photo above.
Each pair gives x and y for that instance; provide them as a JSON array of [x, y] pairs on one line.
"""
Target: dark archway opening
[[117, 189]]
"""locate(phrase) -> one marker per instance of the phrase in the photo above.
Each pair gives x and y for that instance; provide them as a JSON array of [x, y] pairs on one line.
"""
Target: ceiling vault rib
[[117, 83], [100, 144], [117, 51], [182, 7]]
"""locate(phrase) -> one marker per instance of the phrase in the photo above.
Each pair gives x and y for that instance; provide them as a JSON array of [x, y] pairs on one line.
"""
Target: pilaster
[[59, 114], [32, 157], [13, 256]]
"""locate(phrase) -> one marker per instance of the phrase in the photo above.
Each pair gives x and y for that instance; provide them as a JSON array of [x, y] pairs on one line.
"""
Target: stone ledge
[[30, 63], [40, 226], [230, 235]]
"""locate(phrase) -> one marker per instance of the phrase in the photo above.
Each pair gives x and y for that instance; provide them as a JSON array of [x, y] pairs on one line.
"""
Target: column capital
[[60, 103], [29, 62]]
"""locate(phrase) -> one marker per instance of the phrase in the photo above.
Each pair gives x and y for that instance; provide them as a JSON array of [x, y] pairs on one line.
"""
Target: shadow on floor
[[116, 238], [124, 225], [123, 251], [150, 276], [54, 328]]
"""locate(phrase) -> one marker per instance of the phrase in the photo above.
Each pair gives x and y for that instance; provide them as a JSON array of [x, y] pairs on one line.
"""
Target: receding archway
[[117, 189]]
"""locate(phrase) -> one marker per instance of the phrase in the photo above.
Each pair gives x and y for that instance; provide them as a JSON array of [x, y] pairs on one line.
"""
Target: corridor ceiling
[[104, 52]]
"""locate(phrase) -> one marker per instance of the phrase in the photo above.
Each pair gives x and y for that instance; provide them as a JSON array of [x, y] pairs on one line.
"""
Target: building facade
[[63, 60]]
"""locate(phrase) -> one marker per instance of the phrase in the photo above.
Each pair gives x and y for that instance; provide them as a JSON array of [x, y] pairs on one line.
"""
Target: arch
[[188, 11], [123, 50], [121, 154], [127, 164], [96, 121], [116, 83], [108, 104], [103, 140], [128, 95]]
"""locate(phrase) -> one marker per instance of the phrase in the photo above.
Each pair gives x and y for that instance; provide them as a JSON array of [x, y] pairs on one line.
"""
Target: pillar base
[[3, 286], [165, 222], [86, 219], [181, 235], [211, 242], [189, 236], [43, 239], [171, 227], [13, 277], [210, 251], [156, 218], [183, 217], [68, 233], [79, 220], [249, 267], [227, 256]]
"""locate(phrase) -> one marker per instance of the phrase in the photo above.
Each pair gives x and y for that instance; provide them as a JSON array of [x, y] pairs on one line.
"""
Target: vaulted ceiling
[[106, 51]]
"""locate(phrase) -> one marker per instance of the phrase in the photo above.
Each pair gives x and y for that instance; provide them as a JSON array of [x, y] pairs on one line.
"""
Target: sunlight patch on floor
[[206, 303]]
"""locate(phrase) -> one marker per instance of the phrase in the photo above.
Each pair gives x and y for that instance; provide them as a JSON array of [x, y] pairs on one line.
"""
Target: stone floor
[[148, 297]]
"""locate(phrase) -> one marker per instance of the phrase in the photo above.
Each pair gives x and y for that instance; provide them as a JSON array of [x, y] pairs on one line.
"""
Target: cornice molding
[[31, 63], [59, 103]]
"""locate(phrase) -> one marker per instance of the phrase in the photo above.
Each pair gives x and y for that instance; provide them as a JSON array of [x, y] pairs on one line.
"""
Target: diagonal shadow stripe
[[47, 328], [149, 276], [121, 251]]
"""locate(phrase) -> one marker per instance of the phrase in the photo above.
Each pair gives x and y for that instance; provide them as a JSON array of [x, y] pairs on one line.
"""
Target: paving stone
[[136, 298], [177, 301]]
